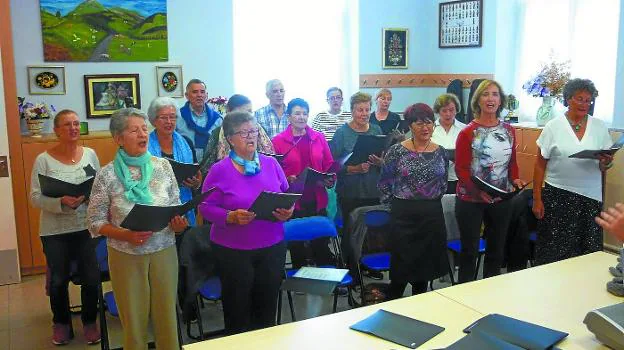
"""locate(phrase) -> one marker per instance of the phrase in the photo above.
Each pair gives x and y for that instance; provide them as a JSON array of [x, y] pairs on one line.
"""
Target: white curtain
[[582, 31], [309, 45]]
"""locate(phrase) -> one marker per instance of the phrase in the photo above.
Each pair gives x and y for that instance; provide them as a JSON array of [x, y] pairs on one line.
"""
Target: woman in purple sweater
[[250, 253]]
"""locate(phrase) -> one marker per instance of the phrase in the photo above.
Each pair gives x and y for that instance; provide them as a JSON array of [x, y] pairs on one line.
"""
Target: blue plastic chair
[[308, 229], [211, 291], [454, 246], [377, 222]]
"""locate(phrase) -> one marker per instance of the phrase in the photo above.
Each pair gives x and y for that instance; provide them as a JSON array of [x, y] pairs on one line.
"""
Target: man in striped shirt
[[271, 117], [328, 122]]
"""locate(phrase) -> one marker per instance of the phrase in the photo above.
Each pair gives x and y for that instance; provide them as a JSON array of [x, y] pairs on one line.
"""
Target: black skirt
[[417, 240]]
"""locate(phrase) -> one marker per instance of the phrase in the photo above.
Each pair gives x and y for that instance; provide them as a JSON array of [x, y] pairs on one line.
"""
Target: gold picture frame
[[395, 48], [46, 80], [106, 93]]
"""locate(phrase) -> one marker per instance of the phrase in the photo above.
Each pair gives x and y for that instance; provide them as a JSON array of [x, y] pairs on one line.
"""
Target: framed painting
[[394, 48], [460, 24], [46, 80], [169, 81], [106, 93], [104, 30]]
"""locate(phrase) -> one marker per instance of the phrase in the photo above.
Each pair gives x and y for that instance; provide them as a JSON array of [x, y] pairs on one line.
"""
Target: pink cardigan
[[320, 158]]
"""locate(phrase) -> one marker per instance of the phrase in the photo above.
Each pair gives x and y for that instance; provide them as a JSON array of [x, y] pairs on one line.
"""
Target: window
[[308, 45], [582, 31]]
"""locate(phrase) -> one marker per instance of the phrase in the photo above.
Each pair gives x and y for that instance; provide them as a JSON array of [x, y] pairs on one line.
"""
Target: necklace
[[416, 148], [577, 126]]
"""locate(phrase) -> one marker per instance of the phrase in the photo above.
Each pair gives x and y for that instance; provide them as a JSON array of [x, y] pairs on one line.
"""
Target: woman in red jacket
[[303, 148], [484, 149]]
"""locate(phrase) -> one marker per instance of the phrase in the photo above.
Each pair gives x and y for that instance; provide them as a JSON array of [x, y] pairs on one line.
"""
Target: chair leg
[[476, 275], [104, 345], [178, 313], [431, 284], [292, 308], [451, 269], [335, 301], [279, 308]]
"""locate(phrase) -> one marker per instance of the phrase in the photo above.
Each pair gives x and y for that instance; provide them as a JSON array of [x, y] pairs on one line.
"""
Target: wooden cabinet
[[32, 259], [526, 150]]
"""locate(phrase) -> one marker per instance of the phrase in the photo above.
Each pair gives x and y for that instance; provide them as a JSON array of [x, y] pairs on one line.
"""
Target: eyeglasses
[[167, 117], [421, 124], [247, 133], [334, 98], [582, 101]]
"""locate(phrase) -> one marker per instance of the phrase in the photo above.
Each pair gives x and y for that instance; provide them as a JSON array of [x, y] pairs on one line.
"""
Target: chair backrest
[[377, 218], [309, 228]]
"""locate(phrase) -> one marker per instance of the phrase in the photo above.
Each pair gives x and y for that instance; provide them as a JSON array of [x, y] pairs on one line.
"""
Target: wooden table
[[557, 295], [332, 331]]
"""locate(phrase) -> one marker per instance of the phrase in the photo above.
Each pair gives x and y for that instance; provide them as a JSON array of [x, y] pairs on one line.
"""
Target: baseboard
[[9, 267]]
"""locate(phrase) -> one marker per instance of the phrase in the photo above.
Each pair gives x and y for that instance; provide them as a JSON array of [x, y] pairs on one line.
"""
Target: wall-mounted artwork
[[394, 48], [46, 80], [169, 81], [106, 93], [460, 24], [104, 30]]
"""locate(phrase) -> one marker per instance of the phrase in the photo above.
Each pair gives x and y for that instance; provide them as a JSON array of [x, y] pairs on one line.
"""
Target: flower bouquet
[[34, 114], [548, 84], [218, 103]]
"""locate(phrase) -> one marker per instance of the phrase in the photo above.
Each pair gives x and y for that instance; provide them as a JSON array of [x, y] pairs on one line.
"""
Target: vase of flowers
[[35, 115], [548, 84], [218, 103]]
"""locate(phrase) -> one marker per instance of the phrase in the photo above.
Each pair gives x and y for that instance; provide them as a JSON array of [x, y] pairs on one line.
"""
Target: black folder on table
[[155, 218], [478, 341], [596, 153], [520, 333], [398, 329], [56, 188], [267, 202], [496, 192], [365, 145], [183, 171]]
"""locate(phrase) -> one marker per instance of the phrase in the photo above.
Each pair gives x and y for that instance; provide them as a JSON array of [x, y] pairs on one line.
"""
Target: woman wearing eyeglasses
[[250, 253], [305, 148], [167, 143], [414, 179], [572, 196]]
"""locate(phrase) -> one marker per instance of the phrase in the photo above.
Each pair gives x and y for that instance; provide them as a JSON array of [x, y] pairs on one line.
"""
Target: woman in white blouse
[[446, 130], [572, 197], [63, 228], [143, 265]]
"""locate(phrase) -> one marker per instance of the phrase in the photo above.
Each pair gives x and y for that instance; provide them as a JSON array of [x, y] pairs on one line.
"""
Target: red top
[[488, 153]]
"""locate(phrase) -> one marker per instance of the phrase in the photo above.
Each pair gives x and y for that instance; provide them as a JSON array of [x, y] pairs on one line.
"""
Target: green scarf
[[136, 191]]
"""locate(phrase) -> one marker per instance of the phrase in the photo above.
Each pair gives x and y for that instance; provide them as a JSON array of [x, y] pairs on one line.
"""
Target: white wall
[[200, 40]]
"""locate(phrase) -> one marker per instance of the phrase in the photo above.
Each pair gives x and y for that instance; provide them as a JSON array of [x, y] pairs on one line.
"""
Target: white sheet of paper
[[321, 273]]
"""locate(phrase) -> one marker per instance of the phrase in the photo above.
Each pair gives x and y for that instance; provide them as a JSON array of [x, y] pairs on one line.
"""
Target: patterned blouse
[[109, 205], [413, 175]]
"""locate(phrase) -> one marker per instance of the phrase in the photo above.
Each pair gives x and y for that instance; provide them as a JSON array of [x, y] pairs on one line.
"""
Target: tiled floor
[[25, 317]]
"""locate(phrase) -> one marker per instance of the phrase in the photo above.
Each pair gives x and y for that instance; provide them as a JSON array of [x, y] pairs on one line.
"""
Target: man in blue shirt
[[271, 117], [198, 119]]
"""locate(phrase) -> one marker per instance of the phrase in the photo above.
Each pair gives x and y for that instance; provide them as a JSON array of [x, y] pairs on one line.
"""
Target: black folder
[[365, 145], [596, 153], [480, 341], [520, 333], [155, 218], [339, 163], [183, 171], [56, 188], [398, 329], [496, 192], [267, 202], [278, 157]]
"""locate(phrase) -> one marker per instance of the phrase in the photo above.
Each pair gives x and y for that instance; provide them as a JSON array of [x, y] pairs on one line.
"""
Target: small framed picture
[[106, 93], [169, 81], [46, 80], [395, 47], [460, 24]]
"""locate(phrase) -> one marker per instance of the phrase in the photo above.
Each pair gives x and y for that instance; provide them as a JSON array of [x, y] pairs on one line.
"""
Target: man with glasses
[[328, 122], [271, 117], [198, 119]]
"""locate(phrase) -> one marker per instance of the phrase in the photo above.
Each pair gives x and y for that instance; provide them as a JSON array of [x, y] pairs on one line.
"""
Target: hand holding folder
[[155, 218], [365, 146], [183, 171], [496, 192], [596, 153], [267, 202], [55, 188]]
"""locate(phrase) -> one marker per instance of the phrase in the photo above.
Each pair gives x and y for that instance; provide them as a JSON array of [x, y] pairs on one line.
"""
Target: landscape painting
[[104, 30]]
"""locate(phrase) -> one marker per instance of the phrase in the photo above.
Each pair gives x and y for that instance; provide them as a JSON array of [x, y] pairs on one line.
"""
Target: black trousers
[[250, 282], [451, 187], [470, 216], [60, 250], [316, 251]]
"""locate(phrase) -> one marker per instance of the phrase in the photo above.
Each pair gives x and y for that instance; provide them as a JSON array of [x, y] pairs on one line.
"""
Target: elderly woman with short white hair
[[143, 264]]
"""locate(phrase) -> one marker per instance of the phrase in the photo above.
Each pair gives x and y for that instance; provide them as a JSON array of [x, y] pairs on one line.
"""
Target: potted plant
[[548, 84], [218, 103], [34, 114]]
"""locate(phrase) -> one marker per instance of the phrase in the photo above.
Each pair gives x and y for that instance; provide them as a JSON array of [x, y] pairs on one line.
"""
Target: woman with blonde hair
[[382, 116]]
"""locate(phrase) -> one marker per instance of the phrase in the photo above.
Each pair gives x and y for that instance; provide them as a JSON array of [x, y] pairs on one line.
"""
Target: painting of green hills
[[104, 30]]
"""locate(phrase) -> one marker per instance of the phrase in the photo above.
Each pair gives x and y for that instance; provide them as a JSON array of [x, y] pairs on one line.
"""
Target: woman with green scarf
[[143, 265]]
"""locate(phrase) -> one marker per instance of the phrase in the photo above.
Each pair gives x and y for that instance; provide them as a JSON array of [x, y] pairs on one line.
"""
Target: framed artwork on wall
[[169, 81], [46, 80], [394, 48], [106, 93], [460, 24]]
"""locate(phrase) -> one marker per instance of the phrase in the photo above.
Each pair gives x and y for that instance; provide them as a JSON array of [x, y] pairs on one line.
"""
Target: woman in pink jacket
[[304, 148]]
